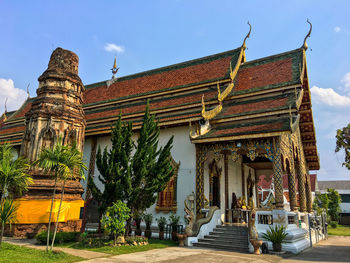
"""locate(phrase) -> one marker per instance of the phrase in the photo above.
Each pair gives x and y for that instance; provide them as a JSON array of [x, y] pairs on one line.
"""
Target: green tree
[[334, 204], [14, 180], [62, 162], [14, 177], [133, 178], [114, 219], [343, 142], [321, 203], [7, 215]]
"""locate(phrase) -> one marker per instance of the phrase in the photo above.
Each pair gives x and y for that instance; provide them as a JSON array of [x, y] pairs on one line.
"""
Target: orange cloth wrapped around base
[[38, 211]]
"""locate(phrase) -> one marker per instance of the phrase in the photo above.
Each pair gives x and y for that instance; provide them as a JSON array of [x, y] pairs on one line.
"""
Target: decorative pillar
[[301, 187], [226, 185], [243, 179], [277, 171], [256, 189], [199, 179], [291, 189], [308, 194]]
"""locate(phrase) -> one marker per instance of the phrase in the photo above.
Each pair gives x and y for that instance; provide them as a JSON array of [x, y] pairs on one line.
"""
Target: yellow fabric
[[38, 211]]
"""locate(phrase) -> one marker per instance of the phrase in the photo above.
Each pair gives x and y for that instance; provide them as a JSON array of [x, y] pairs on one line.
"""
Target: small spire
[[28, 90], [114, 69], [6, 105], [304, 46], [5, 117]]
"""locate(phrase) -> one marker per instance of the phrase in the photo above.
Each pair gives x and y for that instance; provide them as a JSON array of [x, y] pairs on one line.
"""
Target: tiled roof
[[198, 71], [338, 185], [260, 101]]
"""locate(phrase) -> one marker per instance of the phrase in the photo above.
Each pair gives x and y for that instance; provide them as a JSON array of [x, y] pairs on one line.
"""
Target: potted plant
[[174, 222], [276, 235], [161, 225], [148, 218], [138, 219]]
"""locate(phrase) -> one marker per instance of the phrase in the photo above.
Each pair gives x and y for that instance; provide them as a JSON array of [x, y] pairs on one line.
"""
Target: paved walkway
[[335, 249], [31, 243]]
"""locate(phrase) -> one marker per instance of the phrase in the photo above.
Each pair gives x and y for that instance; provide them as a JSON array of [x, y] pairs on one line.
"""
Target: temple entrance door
[[214, 184], [216, 191]]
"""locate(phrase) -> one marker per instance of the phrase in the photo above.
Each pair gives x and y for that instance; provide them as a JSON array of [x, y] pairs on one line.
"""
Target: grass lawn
[[340, 230], [153, 244], [12, 254]]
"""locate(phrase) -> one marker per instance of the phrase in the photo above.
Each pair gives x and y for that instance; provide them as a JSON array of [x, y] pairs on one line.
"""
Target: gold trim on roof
[[233, 73]]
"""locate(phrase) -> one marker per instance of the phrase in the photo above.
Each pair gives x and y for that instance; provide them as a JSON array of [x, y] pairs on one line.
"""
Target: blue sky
[[150, 34]]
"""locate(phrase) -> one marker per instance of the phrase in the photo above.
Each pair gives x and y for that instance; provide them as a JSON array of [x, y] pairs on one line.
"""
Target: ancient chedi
[[56, 113]]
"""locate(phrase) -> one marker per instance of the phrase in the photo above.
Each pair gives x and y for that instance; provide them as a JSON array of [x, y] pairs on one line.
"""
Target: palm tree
[[14, 177], [63, 162], [7, 215]]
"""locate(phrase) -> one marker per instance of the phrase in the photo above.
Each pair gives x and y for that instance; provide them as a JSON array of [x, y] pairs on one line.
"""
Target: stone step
[[228, 233], [232, 226], [238, 243], [224, 238], [228, 228], [221, 247]]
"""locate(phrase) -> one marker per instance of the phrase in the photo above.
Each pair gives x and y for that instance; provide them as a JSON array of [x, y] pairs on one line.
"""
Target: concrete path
[[31, 243], [335, 249]]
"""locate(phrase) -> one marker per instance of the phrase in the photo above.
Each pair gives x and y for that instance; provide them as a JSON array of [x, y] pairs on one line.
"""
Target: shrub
[[61, 237], [333, 224], [174, 221], [161, 223], [114, 219], [148, 218], [275, 234], [138, 239]]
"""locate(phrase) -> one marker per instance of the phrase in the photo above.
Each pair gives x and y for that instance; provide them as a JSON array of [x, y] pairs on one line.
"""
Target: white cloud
[[110, 47], [15, 97], [337, 29], [346, 80], [329, 97]]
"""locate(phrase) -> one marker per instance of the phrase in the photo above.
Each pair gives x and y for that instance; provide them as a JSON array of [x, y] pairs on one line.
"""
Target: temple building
[[231, 118]]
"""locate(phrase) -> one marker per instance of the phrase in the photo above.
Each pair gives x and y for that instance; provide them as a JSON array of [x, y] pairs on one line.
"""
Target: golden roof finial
[[304, 46], [114, 69], [247, 36]]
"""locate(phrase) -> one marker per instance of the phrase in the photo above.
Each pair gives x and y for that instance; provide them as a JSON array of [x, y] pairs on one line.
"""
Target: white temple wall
[[183, 150]]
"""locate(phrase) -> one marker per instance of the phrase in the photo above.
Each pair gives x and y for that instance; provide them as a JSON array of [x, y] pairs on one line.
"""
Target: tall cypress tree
[[133, 178], [114, 167]]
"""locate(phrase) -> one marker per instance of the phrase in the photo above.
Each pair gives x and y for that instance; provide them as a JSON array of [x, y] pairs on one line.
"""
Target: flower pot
[[148, 233], [277, 247], [181, 238], [138, 232], [256, 245], [173, 235], [161, 235]]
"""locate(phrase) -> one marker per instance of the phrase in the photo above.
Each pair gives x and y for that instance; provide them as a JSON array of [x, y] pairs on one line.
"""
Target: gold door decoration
[[167, 198]]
